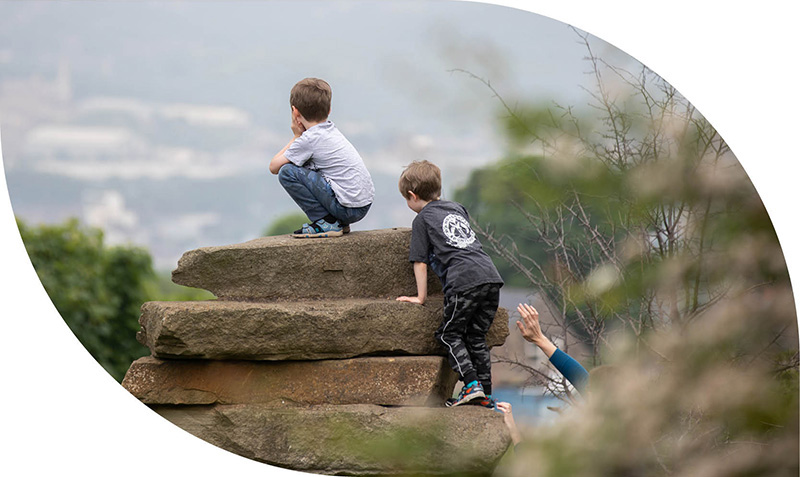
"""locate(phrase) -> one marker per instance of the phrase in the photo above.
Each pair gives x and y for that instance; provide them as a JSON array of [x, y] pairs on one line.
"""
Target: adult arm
[[564, 363], [571, 369]]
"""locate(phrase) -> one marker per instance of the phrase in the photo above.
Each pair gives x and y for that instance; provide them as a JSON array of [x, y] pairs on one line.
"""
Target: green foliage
[[706, 400], [620, 219], [285, 224], [501, 197], [162, 288], [651, 245], [98, 290]]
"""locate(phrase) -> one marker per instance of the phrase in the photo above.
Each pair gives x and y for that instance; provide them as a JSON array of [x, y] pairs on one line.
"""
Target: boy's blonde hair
[[312, 97], [422, 178]]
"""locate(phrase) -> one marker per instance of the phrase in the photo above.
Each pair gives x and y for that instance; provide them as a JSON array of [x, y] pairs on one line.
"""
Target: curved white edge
[[63, 412]]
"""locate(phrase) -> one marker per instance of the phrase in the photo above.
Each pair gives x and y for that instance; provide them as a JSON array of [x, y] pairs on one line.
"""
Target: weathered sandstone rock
[[357, 439], [408, 380], [307, 330], [360, 264]]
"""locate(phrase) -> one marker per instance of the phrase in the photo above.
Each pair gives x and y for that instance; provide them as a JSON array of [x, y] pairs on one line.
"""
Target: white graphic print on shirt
[[457, 230]]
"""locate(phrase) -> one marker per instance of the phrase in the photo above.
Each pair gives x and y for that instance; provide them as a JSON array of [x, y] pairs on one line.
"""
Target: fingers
[[531, 311], [529, 325], [409, 299], [527, 312]]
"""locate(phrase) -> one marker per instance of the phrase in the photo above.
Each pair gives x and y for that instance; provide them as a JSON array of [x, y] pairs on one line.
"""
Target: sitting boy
[[319, 168], [442, 238]]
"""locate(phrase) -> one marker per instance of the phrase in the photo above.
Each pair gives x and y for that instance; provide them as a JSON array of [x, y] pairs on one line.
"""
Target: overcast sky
[[401, 73]]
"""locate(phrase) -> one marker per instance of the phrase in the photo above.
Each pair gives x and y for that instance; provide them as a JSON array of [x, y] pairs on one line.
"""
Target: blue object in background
[[529, 405]]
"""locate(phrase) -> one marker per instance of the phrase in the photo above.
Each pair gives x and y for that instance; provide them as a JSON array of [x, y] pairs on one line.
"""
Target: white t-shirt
[[324, 149]]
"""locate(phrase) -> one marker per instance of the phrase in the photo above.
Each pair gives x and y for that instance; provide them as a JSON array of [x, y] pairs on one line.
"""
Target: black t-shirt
[[442, 237]]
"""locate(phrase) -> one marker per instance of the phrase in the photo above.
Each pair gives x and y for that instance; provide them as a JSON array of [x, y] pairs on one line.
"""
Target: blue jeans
[[314, 195]]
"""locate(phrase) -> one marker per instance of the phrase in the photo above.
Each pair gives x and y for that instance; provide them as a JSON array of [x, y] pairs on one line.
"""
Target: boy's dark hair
[[312, 97], [422, 178]]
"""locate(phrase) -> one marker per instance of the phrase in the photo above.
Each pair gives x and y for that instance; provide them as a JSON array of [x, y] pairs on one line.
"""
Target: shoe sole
[[319, 235], [475, 402], [467, 399]]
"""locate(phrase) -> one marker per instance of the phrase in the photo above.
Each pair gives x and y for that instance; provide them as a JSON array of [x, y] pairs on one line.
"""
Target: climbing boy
[[319, 168], [442, 238]]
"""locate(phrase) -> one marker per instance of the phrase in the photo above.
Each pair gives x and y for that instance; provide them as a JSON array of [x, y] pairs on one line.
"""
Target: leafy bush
[[98, 290], [651, 246]]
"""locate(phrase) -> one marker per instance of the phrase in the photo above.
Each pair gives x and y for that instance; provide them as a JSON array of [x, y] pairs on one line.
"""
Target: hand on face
[[297, 123]]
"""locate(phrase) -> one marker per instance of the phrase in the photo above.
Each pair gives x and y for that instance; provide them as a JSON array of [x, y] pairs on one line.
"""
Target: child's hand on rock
[[411, 299]]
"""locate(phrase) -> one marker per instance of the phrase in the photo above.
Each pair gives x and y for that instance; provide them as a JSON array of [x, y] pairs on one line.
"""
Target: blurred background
[[150, 125], [155, 121], [133, 132]]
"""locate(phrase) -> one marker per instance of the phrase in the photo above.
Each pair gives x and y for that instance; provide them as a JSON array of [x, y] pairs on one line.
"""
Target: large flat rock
[[356, 439], [408, 380], [306, 330], [360, 264]]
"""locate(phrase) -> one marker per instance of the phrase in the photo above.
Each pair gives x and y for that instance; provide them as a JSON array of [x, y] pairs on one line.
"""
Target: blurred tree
[[285, 224], [162, 288], [98, 290], [650, 243], [592, 210]]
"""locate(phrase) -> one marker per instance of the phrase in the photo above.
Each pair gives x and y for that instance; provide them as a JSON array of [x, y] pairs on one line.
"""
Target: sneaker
[[467, 394], [319, 229], [345, 229], [487, 401]]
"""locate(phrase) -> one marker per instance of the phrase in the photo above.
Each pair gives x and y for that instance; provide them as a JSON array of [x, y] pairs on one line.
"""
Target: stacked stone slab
[[307, 362]]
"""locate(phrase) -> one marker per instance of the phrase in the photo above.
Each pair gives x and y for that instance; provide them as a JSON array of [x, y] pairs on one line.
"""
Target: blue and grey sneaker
[[319, 229], [473, 390]]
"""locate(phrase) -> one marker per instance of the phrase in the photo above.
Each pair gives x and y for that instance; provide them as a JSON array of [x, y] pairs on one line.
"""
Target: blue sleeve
[[571, 369]]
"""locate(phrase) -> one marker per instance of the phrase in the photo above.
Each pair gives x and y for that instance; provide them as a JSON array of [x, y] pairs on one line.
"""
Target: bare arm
[[279, 160], [564, 363], [421, 274]]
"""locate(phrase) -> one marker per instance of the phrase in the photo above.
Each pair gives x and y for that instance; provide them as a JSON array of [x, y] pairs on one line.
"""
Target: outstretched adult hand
[[532, 331]]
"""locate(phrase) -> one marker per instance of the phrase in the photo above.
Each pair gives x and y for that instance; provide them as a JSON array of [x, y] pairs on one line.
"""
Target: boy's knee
[[286, 173]]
